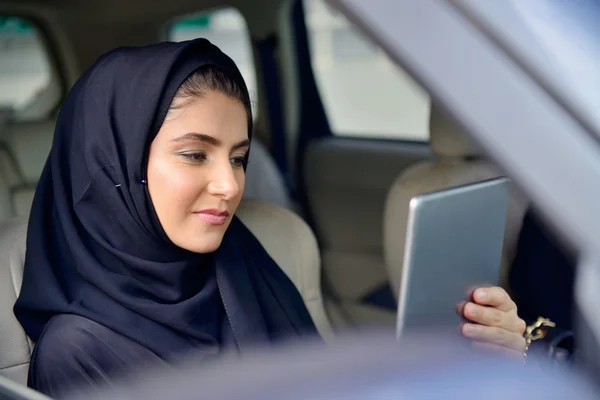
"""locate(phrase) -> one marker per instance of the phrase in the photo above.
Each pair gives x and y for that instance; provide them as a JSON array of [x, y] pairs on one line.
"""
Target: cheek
[[173, 189]]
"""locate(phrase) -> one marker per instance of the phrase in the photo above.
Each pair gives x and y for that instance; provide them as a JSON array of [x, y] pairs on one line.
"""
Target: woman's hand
[[493, 322]]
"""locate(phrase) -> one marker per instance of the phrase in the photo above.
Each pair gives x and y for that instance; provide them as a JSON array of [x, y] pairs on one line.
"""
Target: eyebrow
[[202, 137]]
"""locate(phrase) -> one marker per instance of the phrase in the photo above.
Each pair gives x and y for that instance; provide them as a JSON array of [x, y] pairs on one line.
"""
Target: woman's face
[[195, 170]]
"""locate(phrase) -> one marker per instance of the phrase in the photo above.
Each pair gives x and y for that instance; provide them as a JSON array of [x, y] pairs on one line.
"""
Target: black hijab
[[95, 247]]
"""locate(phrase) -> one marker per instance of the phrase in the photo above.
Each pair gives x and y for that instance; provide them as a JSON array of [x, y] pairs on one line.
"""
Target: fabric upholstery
[[14, 346], [448, 138]]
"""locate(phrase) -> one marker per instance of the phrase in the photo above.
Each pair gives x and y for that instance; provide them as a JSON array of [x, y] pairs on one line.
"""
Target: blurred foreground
[[359, 366]]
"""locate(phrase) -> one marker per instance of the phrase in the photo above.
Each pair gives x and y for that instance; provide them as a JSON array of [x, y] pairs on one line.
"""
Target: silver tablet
[[453, 244]]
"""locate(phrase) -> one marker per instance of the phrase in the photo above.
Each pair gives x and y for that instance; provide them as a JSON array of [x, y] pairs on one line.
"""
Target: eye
[[238, 162], [196, 156]]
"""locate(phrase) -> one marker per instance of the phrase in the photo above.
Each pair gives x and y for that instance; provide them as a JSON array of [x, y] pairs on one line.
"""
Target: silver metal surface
[[453, 244]]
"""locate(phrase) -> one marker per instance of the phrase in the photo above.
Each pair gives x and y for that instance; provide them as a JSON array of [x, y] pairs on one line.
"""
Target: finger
[[494, 297], [460, 307], [490, 316], [494, 335], [472, 290], [497, 349]]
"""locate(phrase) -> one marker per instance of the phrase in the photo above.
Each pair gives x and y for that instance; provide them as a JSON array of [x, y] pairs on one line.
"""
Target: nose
[[223, 183]]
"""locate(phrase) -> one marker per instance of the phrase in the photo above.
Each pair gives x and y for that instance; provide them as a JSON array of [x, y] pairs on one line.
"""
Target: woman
[[134, 255]]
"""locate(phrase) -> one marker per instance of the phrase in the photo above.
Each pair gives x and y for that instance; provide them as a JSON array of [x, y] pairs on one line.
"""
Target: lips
[[213, 216]]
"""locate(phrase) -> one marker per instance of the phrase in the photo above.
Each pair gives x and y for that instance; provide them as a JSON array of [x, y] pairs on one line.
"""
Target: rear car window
[[29, 85], [364, 93]]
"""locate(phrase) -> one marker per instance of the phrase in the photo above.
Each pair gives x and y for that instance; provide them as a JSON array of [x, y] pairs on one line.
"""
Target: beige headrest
[[447, 137]]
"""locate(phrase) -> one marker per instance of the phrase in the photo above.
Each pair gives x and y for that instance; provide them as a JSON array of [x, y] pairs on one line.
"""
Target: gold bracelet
[[535, 332]]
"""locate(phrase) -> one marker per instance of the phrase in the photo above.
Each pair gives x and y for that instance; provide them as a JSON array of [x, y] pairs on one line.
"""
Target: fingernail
[[471, 310], [481, 294]]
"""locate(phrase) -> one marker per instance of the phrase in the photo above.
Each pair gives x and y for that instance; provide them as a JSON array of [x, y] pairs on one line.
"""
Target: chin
[[207, 244]]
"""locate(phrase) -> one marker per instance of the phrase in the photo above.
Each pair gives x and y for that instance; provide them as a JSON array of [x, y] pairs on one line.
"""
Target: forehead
[[213, 114]]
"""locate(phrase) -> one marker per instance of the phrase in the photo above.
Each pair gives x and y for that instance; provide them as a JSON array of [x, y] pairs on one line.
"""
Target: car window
[[29, 86], [364, 93], [227, 29]]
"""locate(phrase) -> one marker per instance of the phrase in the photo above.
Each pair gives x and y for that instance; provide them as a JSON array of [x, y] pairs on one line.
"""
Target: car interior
[[344, 140]]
